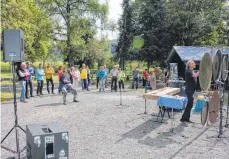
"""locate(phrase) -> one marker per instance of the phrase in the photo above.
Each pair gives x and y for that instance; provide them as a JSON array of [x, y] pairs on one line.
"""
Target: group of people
[[116, 74], [26, 72]]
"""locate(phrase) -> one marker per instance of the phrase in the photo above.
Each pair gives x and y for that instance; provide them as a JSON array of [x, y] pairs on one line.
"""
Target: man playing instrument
[[190, 80]]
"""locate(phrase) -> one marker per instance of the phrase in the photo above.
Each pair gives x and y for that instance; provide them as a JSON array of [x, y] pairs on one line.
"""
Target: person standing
[[30, 79], [145, 77], [40, 73], [114, 75], [97, 78], [75, 74], [190, 80], [88, 76], [107, 72], [22, 73], [60, 73], [121, 76], [67, 86], [136, 76], [49, 71], [83, 77], [102, 78]]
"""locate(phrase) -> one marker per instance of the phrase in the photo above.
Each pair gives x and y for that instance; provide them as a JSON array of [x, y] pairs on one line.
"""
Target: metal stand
[[145, 102], [220, 135], [16, 126]]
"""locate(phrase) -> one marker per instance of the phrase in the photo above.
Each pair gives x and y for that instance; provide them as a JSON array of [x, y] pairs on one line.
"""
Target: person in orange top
[[60, 74], [49, 71]]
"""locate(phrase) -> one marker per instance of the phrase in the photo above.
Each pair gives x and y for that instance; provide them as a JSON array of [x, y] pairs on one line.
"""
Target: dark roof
[[192, 53]]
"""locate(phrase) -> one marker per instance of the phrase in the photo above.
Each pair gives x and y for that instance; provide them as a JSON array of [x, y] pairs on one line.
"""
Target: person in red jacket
[[145, 76]]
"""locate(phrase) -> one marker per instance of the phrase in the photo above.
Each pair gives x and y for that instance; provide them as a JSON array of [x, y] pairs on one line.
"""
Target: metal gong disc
[[216, 67], [214, 104], [224, 67], [204, 113], [205, 72]]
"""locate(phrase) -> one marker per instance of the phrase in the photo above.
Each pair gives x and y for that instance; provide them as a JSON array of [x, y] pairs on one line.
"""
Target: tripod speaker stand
[[16, 126]]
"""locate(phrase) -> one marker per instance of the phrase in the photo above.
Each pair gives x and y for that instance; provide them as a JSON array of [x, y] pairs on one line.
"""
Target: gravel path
[[100, 128]]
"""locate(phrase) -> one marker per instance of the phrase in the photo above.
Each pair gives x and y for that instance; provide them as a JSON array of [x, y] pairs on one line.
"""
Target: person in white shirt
[[75, 74], [114, 75]]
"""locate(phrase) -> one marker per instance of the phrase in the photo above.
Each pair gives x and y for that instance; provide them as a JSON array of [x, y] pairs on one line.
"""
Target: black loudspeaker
[[13, 45], [49, 141]]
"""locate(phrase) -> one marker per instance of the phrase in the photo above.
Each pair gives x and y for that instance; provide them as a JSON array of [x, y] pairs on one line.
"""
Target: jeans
[[84, 83], [40, 86], [65, 89], [114, 81], [136, 81], [97, 82], [102, 83], [22, 84], [60, 86], [51, 81], [121, 83], [29, 84], [187, 111]]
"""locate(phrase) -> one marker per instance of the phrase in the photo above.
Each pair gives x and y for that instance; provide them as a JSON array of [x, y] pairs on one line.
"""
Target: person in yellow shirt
[[83, 77], [49, 71]]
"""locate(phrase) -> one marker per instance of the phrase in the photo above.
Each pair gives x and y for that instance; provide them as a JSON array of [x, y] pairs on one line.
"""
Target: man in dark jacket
[[190, 80]]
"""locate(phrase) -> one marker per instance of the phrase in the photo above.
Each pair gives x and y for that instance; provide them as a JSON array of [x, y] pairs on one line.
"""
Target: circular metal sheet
[[214, 105], [216, 67], [205, 72], [224, 67], [204, 113]]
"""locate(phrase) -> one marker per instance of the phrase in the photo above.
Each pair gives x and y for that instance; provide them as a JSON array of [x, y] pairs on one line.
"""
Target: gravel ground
[[100, 128]]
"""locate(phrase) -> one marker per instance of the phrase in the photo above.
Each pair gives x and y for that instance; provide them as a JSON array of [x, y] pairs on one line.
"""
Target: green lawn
[[6, 96]]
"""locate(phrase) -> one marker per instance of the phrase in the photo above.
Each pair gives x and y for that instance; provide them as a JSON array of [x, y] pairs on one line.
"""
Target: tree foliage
[[37, 28], [165, 23]]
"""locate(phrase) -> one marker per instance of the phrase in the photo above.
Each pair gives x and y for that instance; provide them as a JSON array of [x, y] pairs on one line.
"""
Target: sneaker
[[32, 96], [27, 97], [48, 92], [65, 103], [103, 90], [75, 100], [99, 90], [42, 94], [24, 101], [53, 93]]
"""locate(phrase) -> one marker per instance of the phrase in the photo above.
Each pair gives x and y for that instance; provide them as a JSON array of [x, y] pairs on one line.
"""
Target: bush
[[5, 67]]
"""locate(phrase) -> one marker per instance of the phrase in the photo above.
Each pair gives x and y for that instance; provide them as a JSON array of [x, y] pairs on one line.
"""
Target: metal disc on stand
[[216, 67], [204, 113], [224, 67], [205, 72], [214, 105]]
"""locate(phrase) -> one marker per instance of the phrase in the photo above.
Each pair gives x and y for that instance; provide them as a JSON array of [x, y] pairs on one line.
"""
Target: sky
[[115, 12]]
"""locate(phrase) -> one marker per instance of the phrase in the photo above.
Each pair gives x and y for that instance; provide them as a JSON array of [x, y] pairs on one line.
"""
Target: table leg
[[160, 112], [163, 114]]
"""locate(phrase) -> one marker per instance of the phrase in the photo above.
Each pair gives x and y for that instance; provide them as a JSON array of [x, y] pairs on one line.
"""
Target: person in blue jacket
[[40, 73], [102, 78], [29, 82]]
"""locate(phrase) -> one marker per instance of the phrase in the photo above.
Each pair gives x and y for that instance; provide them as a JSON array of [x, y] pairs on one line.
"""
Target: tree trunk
[[68, 23], [148, 65]]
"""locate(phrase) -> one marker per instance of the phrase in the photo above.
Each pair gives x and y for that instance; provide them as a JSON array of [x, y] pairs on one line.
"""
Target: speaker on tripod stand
[[13, 51]]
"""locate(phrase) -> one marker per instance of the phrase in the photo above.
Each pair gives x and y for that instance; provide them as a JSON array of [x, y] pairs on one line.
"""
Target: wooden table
[[154, 95]]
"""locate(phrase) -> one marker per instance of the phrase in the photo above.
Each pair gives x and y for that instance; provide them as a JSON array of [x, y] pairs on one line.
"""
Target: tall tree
[[193, 21], [27, 16], [71, 11]]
